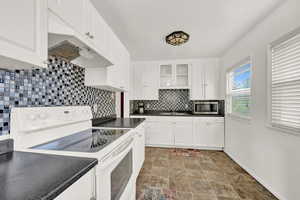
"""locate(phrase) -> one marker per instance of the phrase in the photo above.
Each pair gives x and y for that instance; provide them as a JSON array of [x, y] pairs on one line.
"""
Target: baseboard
[[160, 146], [186, 147], [209, 148], [252, 173]]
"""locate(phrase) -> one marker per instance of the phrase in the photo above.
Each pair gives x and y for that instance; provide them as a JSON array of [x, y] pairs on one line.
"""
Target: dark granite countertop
[[118, 123], [174, 114], [32, 176]]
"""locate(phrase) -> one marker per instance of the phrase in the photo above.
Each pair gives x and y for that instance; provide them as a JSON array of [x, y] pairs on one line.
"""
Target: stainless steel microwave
[[206, 107]]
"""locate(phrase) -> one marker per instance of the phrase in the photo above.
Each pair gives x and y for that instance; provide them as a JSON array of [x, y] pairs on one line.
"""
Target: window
[[239, 89], [284, 96]]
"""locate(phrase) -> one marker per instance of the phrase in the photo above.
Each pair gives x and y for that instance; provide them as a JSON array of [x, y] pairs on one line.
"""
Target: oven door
[[115, 176]]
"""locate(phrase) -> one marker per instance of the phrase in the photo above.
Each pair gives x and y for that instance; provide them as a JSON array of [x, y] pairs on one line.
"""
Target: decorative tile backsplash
[[61, 84], [169, 100]]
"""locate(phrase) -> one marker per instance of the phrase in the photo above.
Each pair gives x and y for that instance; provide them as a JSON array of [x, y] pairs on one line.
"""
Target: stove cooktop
[[91, 140]]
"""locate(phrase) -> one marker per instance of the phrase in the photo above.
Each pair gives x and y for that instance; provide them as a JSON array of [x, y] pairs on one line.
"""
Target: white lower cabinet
[[185, 132], [209, 132], [139, 149], [82, 189], [159, 133]]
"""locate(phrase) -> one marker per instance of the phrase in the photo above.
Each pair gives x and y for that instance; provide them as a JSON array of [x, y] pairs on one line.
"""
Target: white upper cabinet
[[23, 33], [182, 75], [97, 30], [200, 76], [174, 75], [88, 30], [100, 32], [212, 80], [72, 12], [115, 77], [198, 81], [166, 75], [145, 80], [118, 74], [205, 80], [92, 32]]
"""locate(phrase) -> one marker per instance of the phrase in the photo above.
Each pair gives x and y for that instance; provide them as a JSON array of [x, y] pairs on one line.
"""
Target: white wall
[[271, 156]]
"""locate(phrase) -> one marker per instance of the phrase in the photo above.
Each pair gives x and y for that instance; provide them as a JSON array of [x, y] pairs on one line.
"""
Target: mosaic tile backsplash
[[169, 100], [61, 84]]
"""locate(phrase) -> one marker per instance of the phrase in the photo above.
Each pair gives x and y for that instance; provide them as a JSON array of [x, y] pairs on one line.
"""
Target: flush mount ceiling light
[[177, 38]]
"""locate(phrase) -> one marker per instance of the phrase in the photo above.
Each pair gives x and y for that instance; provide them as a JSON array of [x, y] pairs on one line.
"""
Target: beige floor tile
[[204, 197], [184, 174], [224, 190], [183, 195]]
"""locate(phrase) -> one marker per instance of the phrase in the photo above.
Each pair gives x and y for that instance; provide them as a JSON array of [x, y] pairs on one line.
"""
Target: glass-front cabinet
[[174, 75], [166, 75]]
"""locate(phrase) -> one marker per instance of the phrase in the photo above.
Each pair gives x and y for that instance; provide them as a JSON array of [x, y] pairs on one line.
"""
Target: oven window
[[120, 176]]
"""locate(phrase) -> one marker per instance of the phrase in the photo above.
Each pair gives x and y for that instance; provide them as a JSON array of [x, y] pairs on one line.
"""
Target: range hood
[[64, 42]]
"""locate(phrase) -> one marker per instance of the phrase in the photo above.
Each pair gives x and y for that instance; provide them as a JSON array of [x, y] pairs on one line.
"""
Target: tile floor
[[180, 174]]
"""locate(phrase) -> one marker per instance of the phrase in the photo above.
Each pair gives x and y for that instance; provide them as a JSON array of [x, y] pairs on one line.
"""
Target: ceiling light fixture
[[177, 38]]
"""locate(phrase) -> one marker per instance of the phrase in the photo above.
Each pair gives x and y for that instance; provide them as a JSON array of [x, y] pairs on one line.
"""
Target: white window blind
[[285, 83]]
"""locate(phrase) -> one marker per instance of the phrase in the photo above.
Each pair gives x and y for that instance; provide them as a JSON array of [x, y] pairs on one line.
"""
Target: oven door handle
[[117, 151], [122, 148]]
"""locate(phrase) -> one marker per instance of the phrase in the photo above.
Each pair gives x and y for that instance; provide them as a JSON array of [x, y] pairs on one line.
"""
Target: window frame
[[248, 92], [278, 127]]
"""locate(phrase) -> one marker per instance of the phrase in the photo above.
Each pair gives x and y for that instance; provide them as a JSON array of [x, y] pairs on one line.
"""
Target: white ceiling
[[213, 25]]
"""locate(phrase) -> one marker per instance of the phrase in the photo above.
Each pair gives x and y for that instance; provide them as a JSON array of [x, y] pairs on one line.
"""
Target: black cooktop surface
[[91, 140]]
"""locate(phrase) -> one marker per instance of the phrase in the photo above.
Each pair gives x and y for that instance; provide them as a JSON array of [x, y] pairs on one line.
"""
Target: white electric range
[[68, 131], [138, 132]]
